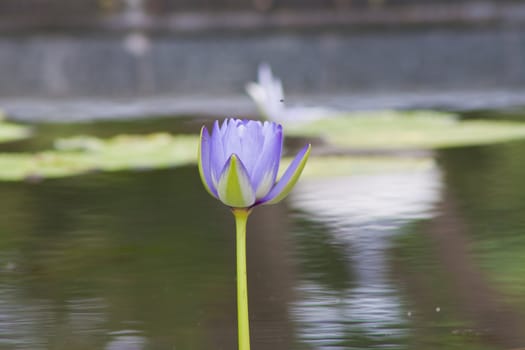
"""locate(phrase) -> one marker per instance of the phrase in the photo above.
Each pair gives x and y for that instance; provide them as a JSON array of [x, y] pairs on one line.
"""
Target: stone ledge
[[459, 14], [38, 109]]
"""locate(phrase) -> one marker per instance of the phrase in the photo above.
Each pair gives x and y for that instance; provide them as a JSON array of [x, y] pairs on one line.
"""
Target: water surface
[[427, 259]]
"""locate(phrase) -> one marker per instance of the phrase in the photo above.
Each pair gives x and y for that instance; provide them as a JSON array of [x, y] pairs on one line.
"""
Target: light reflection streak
[[362, 214]]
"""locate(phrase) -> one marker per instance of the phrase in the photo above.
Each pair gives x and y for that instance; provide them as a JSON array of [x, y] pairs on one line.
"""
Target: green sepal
[[234, 187]]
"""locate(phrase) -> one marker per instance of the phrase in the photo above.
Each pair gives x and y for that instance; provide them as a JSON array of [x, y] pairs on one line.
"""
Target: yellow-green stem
[[241, 217]]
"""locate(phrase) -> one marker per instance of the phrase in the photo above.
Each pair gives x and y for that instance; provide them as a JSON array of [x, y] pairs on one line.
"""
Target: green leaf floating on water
[[78, 155], [414, 130], [12, 132], [20, 166], [83, 154], [322, 167], [365, 130], [328, 167], [121, 152]]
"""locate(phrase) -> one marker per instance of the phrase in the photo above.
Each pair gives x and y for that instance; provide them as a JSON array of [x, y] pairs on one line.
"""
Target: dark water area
[[421, 259]]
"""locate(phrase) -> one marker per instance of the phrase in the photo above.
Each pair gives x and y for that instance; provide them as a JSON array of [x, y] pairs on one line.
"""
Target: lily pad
[[413, 130], [21, 166], [12, 132], [329, 167], [83, 154], [132, 151]]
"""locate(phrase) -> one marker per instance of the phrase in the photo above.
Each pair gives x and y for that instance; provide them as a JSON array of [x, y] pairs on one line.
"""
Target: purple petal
[[204, 162], [231, 139], [267, 165], [289, 178], [252, 142], [217, 157]]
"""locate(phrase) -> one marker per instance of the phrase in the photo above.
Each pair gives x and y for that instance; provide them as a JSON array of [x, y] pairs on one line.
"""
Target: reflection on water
[[428, 259], [126, 342], [360, 214]]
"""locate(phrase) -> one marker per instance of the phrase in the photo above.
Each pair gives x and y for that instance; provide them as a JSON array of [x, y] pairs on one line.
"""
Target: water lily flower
[[268, 95], [239, 161], [238, 164]]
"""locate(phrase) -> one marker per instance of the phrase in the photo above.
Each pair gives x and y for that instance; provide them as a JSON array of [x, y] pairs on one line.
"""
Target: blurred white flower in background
[[268, 95]]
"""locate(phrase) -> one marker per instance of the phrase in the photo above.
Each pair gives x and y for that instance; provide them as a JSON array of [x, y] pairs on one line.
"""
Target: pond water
[[426, 259]]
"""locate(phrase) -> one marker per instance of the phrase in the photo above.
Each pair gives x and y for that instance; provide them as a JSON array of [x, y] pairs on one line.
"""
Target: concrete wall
[[130, 65], [429, 46]]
